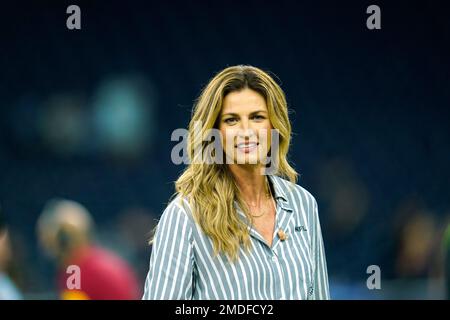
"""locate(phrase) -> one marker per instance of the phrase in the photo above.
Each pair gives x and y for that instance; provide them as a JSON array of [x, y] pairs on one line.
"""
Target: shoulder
[[292, 190], [177, 210], [102, 259], [298, 199]]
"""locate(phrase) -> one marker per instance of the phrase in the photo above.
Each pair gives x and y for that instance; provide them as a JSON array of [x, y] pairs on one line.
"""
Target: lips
[[246, 145]]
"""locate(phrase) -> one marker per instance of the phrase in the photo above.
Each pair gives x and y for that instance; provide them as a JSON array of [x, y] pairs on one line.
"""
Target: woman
[[234, 231]]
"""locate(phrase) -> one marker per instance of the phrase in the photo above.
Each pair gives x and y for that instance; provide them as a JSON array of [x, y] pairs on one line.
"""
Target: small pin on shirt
[[281, 235]]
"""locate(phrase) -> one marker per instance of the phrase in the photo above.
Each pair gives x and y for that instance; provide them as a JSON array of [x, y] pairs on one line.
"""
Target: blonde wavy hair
[[210, 188]]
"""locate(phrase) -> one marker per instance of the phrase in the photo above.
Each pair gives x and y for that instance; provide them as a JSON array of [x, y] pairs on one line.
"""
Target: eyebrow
[[235, 114]]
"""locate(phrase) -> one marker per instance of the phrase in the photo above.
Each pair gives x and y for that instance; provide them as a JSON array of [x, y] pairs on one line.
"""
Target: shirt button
[[274, 258]]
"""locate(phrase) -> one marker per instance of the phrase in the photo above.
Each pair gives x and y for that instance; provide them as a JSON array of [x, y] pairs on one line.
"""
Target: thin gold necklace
[[269, 195]]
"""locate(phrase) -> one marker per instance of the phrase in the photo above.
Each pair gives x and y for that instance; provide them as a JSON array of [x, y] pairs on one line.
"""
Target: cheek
[[266, 134], [227, 134], [222, 135]]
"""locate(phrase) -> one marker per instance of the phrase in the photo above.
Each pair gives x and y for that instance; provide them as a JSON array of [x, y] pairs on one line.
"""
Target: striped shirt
[[183, 266]]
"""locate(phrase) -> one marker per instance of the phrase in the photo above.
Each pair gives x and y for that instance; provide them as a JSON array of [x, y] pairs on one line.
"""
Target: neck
[[66, 257], [251, 183]]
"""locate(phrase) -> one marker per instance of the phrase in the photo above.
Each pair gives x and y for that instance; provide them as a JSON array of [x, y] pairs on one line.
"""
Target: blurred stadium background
[[87, 115]]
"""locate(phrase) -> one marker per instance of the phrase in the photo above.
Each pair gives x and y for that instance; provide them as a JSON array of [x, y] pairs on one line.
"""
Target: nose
[[246, 129]]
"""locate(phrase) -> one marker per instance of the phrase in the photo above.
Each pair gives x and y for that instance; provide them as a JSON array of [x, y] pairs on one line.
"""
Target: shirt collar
[[279, 193]]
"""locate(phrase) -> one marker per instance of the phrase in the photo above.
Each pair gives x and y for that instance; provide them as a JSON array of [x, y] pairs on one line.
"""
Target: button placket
[[279, 275]]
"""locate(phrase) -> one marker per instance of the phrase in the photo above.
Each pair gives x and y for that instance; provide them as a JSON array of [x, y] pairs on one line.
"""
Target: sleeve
[[170, 275], [321, 289]]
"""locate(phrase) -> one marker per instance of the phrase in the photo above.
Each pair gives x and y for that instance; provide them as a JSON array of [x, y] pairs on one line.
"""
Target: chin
[[248, 161]]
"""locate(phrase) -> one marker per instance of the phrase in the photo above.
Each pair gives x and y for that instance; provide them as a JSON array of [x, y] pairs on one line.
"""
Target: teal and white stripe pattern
[[182, 265]]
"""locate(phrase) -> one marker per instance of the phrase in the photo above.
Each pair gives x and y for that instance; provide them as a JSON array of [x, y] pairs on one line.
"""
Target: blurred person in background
[[419, 261], [418, 240], [8, 290], [66, 231]]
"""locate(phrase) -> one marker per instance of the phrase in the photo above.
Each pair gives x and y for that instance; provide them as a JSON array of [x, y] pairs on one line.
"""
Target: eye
[[230, 121], [259, 117]]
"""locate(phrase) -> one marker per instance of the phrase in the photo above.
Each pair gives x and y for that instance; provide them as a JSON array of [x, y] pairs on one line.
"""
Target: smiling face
[[245, 127]]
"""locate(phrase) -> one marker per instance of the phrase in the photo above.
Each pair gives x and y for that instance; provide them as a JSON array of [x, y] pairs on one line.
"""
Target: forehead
[[243, 101]]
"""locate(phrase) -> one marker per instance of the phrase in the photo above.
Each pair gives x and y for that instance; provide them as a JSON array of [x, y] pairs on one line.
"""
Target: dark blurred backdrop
[[87, 115]]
